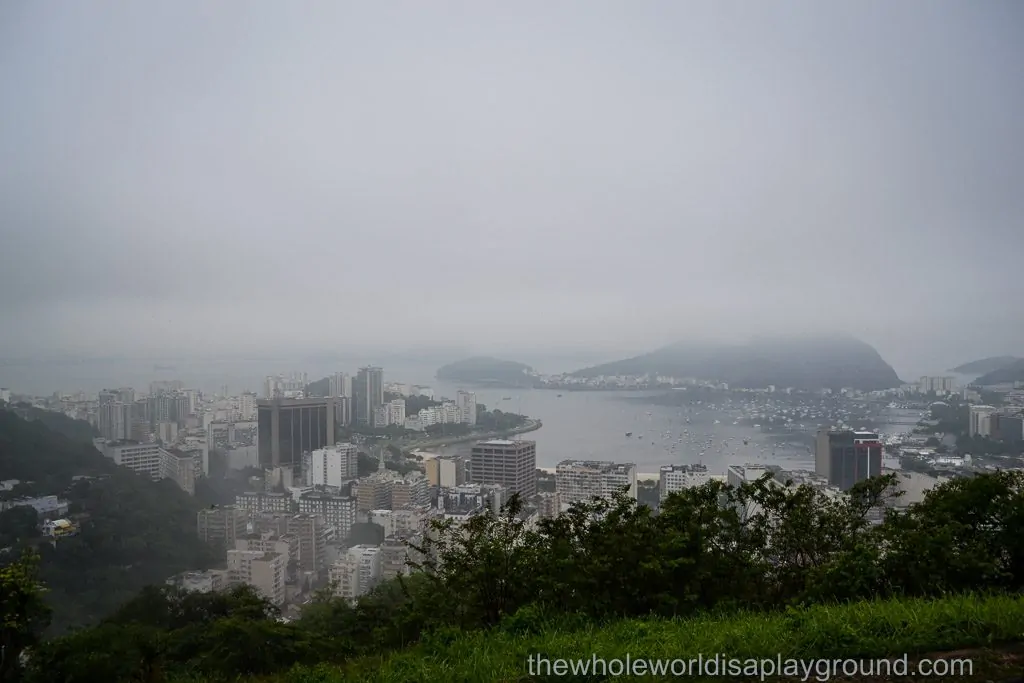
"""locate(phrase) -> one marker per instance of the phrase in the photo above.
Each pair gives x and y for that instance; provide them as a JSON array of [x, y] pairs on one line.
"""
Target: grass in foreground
[[980, 628]]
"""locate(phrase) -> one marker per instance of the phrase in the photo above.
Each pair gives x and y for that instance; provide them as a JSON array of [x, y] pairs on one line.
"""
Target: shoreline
[[531, 425]]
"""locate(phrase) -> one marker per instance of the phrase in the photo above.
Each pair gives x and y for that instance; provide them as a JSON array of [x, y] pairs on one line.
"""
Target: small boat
[[559, 396], [629, 433]]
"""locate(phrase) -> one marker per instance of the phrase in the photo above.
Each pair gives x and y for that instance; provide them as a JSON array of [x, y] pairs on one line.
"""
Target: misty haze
[[319, 322]]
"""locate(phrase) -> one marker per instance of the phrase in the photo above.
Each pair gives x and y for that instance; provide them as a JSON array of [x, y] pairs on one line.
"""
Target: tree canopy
[[759, 546]]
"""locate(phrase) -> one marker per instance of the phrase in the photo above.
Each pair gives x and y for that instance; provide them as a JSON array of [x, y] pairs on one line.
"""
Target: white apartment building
[[939, 385], [263, 571], [396, 411], [337, 511], [247, 406], [577, 480], [357, 572], [466, 400], [333, 466], [446, 413], [446, 471], [143, 458], [262, 501], [339, 384], [391, 413], [672, 478]]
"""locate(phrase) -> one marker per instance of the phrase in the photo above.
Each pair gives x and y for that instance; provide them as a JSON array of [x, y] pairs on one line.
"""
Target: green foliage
[[133, 532], [785, 558], [18, 524], [982, 445], [23, 611], [449, 429], [413, 404], [496, 420]]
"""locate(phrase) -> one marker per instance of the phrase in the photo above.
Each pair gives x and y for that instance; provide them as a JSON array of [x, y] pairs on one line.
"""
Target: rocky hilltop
[[834, 361]]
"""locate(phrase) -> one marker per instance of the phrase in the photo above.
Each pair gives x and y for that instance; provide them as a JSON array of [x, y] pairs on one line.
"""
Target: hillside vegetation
[[134, 532], [804, 363], [487, 370], [488, 594], [1007, 374], [985, 365]]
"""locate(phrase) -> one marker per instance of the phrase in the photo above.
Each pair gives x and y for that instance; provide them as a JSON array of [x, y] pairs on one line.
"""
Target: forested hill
[[985, 365], [1004, 375], [134, 532], [487, 370], [833, 361]]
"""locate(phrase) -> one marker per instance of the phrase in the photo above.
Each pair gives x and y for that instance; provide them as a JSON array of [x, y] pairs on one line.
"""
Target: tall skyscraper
[[847, 457], [513, 464], [289, 427], [368, 393]]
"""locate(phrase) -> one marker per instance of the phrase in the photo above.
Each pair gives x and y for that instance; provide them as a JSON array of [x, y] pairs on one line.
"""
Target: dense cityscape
[[336, 498], [376, 342]]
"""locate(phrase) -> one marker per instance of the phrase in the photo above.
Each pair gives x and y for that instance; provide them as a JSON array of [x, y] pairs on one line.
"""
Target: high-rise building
[[581, 480], [333, 466], [447, 471], [513, 464], [847, 457], [410, 491], [466, 400], [356, 572], [337, 511], [288, 427], [980, 423], [247, 406], [672, 478], [938, 385], [339, 384], [368, 393], [115, 418]]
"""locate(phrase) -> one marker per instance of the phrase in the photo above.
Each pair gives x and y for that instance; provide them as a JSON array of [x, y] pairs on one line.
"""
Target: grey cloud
[[614, 175]]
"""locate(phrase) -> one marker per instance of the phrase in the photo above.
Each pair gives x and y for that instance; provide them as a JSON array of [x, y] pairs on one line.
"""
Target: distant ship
[[559, 396], [506, 398], [629, 433], [160, 368]]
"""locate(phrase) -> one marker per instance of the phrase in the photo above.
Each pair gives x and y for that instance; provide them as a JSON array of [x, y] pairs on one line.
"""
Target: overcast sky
[[256, 176]]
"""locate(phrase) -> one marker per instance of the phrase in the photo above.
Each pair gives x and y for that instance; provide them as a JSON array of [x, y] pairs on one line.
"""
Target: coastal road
[[528, 426]]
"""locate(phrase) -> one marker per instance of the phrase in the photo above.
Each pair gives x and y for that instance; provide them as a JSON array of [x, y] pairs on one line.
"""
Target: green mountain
[[1004, 375], [985, 365], [834, 361], [487, 370]]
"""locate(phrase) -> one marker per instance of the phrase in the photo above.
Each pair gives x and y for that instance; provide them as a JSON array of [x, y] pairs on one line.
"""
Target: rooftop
[[598, 465]]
